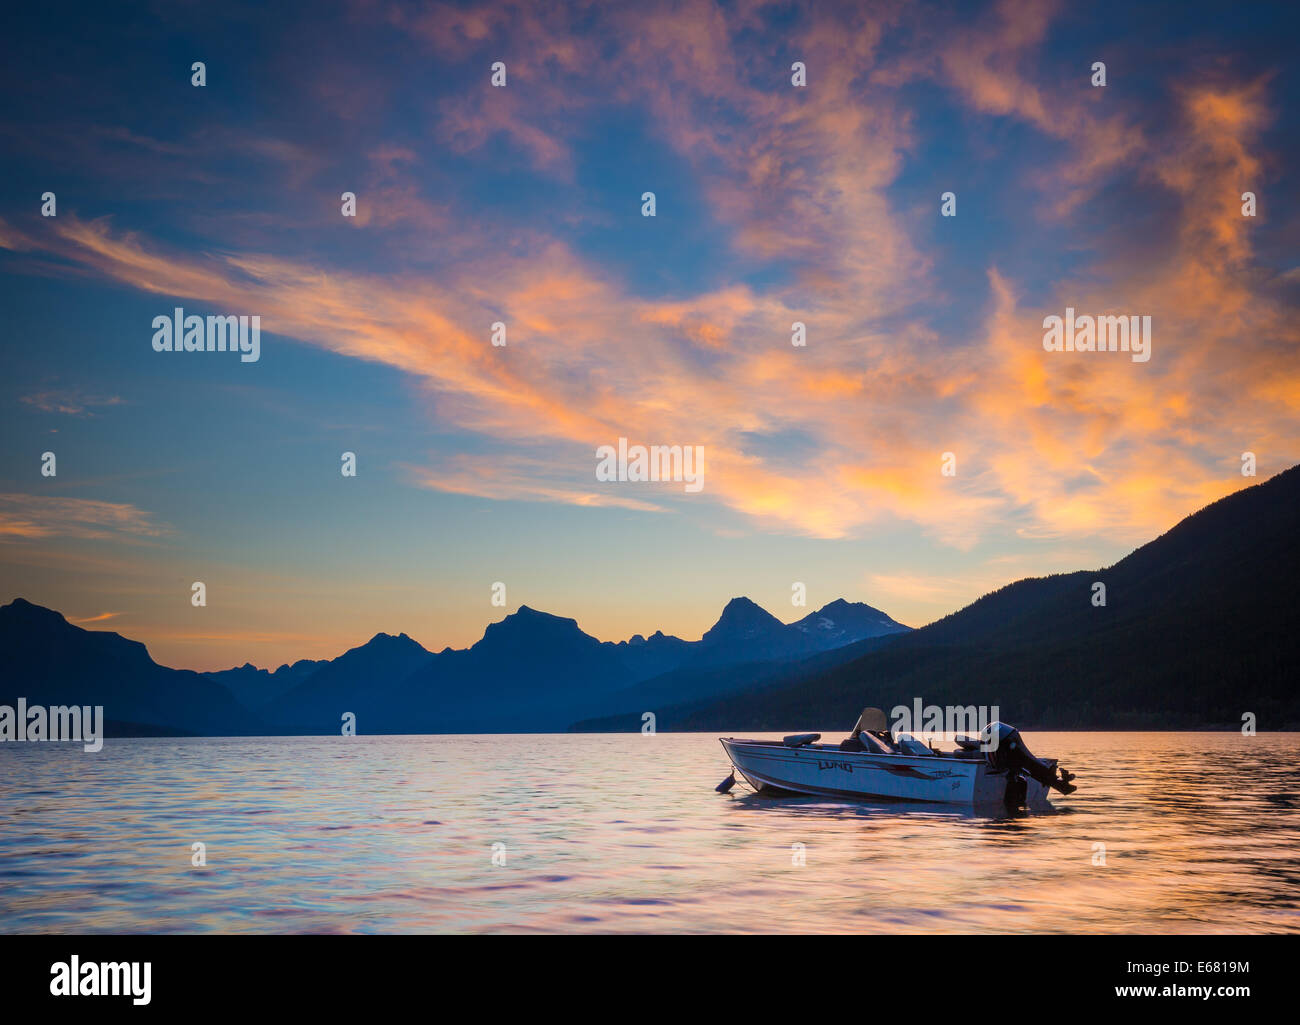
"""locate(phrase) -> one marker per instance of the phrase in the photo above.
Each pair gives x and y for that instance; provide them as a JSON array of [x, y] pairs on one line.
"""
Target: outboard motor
[[1005, 750]]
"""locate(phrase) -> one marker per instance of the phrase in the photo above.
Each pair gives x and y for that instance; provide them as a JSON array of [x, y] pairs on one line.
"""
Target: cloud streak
[[802, 182], [37, 517]]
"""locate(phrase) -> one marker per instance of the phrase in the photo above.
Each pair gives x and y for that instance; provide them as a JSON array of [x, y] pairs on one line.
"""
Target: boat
[[872, 764]]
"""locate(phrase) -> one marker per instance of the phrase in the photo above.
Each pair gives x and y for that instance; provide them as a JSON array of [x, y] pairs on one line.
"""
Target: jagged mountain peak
[[742, 619], [387, 640], [530, 626], [842, 614], [24, 610]]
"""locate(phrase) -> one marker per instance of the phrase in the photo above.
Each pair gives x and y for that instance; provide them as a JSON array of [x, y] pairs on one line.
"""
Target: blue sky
[[774, 204]]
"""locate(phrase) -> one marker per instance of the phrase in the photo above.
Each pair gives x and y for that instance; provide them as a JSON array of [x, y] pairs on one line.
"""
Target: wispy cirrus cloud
[[101, 618], [1047, 444], [70, 401], [37, 517], [517, 479]]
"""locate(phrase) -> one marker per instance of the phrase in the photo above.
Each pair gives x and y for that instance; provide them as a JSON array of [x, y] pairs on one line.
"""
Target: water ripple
[[625, 834]]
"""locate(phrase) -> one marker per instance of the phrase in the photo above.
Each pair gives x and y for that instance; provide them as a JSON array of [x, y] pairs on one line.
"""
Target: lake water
[[617, 833]]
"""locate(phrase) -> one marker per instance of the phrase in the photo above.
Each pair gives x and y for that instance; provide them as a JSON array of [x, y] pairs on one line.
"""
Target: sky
[[774, 204]]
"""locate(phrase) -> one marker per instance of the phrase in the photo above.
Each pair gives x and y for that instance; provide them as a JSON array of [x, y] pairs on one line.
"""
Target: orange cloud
[[26, 517], [103, 616], [1047, 443], [69, 401]]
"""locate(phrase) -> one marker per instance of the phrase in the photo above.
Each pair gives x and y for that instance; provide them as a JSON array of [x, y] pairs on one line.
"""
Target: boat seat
[[876, 745], [852, 744], [800, 739], [909, 745]]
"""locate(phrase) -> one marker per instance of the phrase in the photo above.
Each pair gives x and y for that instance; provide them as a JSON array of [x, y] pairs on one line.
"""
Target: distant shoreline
[[150, 733]]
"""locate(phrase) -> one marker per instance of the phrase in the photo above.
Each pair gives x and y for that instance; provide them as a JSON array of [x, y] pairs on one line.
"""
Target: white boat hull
[[829, 772]]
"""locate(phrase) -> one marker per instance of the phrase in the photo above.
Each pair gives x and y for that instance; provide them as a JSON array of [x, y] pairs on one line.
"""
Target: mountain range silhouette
[[530, 671], [1201, 628]]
